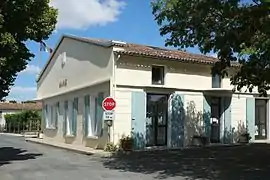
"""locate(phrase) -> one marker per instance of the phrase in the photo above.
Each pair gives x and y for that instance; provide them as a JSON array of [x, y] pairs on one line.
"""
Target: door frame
[[155, 126], [220, 118], [266, 124]]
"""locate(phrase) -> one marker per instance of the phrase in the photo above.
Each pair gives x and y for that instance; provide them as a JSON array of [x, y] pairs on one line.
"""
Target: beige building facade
[[163, 97]]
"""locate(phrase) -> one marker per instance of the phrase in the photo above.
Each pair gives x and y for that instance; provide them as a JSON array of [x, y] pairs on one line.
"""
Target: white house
[[163, 97]]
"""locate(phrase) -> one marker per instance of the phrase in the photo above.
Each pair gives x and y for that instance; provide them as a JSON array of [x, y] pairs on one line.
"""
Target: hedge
[[23, 121]]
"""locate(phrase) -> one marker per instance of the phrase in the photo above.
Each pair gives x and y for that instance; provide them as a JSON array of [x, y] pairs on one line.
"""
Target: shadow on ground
[[210, 163], [9, 154]]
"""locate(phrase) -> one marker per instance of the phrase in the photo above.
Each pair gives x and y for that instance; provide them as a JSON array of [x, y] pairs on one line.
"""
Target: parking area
[[20, 160]]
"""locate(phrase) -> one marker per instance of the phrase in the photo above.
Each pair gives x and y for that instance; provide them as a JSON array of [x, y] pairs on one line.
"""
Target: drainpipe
[[117, 57]]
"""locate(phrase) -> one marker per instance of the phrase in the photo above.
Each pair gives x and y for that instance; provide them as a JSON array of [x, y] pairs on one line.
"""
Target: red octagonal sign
[[108, 104]]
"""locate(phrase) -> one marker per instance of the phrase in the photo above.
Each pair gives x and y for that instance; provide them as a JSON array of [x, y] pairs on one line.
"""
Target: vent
[[118, 42]]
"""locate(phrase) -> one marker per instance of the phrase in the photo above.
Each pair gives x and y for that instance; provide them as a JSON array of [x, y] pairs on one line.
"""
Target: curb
[[11, 134], [68, 149]]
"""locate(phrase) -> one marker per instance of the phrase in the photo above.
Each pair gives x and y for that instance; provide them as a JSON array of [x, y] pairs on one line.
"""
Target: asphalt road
[[20, 160]]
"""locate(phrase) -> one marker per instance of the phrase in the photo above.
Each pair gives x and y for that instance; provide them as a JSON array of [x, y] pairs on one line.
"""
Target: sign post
[[108, 105]]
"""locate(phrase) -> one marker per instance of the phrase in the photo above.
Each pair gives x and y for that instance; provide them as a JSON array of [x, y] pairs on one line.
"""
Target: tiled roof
[[150, 51], [156, 52], [141, 50], [20, 106]]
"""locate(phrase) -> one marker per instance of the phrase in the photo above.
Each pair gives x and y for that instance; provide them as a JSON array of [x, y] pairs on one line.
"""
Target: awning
[[218, 91]]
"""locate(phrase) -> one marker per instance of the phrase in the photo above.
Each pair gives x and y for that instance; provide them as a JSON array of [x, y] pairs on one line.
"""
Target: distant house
[[162, 96], [13, 107]]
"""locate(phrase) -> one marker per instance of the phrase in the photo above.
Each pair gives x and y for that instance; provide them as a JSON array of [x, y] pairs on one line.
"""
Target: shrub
[[25, 120]]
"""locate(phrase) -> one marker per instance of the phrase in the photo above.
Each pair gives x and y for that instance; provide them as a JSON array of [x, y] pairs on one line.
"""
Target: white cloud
[[214, 55], [81, 14], [22, 90], [20, 93], [31, 69]]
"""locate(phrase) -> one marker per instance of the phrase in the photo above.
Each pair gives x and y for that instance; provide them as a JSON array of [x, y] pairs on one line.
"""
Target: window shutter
[[100, 113], [86, 113], [74, 117], [65, 117], [57, 112]]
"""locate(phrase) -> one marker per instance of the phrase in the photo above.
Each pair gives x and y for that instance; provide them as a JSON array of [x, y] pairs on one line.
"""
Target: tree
[[20, 21], [236, 30]]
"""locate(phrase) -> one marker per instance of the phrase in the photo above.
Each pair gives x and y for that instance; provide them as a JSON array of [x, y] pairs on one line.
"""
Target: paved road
[[20, 160]]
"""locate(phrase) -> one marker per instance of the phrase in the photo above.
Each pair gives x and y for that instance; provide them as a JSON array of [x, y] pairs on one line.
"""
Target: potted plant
[[40, 134], [126, 143], [244, 136]]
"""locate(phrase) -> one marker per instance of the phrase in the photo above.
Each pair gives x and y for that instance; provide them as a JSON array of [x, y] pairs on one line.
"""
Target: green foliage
[[234, 29], [110, 147], [24, 119], [20, 21]]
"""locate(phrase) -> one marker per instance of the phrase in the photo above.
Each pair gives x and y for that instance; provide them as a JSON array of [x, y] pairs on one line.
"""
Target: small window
[[216, 81], [157, 75]]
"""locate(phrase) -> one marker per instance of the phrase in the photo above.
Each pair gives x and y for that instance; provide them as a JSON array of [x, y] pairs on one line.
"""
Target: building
[[14, 107], [163, 97]]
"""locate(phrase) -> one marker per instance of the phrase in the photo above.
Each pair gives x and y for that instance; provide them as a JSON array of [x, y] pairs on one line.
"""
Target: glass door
[[260, 119], [156, 124]]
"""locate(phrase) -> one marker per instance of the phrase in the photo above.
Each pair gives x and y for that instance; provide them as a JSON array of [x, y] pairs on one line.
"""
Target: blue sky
[[124, 20]]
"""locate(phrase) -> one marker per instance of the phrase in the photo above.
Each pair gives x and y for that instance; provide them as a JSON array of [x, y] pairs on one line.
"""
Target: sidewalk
[[11, 134], [68, 147]]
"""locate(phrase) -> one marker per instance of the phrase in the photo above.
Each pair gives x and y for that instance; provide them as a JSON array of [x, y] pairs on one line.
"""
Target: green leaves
[[233, 29], [21, 20]]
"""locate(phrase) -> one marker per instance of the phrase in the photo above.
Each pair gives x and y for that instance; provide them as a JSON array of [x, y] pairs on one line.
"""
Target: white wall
[[5, 112], [136, 71], [79, 139], [85, 65]]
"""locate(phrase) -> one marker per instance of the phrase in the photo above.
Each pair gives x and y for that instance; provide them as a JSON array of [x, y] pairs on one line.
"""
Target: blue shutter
[[65, 117], [74, 116], [86, 114], [207, 115], [176, 120], [100, 111], [138, 115], [44, 116], [250, 115], [57, 112]]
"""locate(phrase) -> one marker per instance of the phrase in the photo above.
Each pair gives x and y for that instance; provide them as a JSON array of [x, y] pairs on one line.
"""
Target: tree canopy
[[20, 21], [237, 30]]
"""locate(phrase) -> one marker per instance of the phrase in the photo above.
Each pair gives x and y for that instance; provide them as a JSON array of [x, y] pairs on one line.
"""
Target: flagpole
[[39, 57]]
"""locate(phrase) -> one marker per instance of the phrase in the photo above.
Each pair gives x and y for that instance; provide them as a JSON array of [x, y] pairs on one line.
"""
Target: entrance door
[[260, 119], [215, 118], [156, 125]]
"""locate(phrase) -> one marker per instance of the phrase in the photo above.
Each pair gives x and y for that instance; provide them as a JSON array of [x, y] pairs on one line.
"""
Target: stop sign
[[108, 104]]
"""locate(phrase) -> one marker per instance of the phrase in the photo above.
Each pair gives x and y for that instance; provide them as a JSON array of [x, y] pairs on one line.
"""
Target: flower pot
[[244, 138], [40, 135], [127, 145], [199, 140]]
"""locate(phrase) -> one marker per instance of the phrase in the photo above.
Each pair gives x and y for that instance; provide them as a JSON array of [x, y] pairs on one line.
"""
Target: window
[[93, 114], [74, 115], [56, 114], [52, 117], [67, 115], [216, 81], [157, 75], [46, 116]]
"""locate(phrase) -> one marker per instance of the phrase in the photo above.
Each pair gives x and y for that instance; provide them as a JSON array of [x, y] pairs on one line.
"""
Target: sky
[[123, 20]]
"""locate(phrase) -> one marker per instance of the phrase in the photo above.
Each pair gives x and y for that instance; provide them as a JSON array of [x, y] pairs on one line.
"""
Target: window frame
[[162, 75], [215, 78]]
